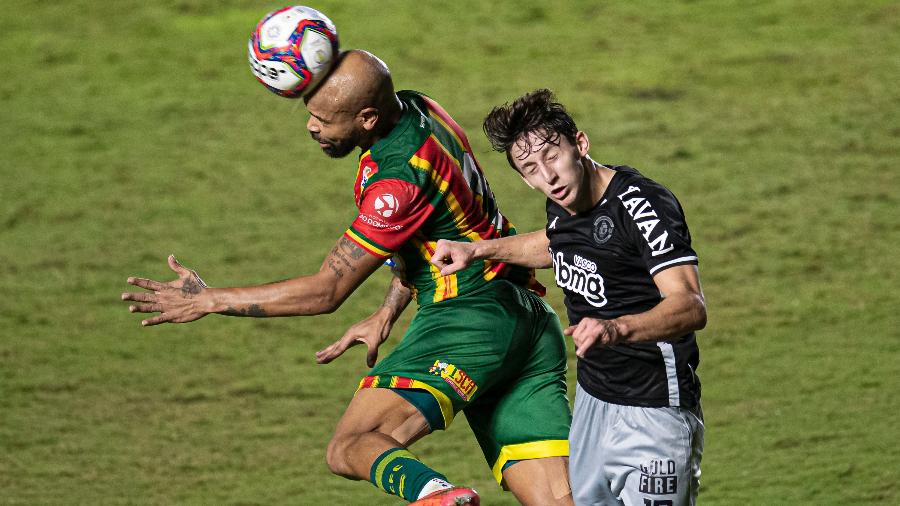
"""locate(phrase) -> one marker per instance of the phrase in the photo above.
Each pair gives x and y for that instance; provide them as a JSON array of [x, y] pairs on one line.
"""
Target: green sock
[[399, 472]]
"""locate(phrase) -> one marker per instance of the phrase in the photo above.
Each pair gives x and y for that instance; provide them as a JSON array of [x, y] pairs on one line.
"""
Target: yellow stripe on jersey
[[453, 290], [446, 287], [456, 210], [488, 273], [366, 244]]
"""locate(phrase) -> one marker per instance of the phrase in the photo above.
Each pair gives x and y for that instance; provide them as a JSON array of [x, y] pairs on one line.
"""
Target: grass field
[[131, 130]]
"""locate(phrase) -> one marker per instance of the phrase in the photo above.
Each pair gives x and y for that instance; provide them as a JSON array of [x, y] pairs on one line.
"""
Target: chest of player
[[598, 265]]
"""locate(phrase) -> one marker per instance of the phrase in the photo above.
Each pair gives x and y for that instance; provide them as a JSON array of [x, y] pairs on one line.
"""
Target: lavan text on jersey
[[646, 220]]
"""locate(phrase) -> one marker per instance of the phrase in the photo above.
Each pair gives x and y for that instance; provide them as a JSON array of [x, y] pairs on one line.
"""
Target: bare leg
[[376, 420], [540, 482]]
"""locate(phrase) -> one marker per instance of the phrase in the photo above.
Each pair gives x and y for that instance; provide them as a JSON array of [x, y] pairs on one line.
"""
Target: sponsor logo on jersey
[[603, 229], [579, 277], [455, 377], [646, 220], [658, 477], [386, 205], [585, 264], [375, 221]]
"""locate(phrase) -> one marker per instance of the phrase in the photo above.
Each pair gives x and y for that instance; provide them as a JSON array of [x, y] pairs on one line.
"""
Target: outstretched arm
[[528, 250], [682, 310], [374, 330], [188, 298]]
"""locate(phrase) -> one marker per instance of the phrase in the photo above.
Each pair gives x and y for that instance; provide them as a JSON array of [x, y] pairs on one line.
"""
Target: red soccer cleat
[[456, 496]]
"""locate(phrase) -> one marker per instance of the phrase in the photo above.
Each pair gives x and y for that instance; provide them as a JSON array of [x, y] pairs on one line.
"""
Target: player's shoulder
[[629, 183], [411, 96], [629, 176]]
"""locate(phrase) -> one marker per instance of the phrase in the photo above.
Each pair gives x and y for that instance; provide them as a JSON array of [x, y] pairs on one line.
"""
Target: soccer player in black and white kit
[[621, 251]]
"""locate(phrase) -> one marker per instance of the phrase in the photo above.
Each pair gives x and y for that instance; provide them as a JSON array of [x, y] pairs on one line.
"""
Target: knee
[[337, 455]]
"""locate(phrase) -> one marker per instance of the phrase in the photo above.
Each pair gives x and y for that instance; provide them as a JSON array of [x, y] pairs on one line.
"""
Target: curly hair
[[536, 112]]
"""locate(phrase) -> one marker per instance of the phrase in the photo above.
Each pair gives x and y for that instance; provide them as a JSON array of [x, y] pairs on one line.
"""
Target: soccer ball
[[292, 49]]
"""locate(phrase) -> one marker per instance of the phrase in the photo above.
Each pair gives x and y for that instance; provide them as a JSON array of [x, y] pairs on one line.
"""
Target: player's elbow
[[323, 301], [543, 261], [699, 312], [328, 303]]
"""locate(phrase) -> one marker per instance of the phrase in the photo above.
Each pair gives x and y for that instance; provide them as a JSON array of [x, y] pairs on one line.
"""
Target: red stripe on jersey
[[449, 171], [441, 113]]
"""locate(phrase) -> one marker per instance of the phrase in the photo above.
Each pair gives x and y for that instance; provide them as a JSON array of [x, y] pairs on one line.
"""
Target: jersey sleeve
[[390, 212], [655, 220]]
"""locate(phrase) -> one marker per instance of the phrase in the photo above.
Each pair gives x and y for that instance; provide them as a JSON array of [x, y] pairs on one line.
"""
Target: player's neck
[[601, 175], [596, 180]]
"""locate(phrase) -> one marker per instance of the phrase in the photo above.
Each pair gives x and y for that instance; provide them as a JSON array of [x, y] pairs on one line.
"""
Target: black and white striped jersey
[[604, 259]]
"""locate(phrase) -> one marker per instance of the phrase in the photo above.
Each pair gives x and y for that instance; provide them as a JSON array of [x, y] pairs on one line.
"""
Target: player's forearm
[[294, 297], [676, 315], [395, 301], [528, 250]]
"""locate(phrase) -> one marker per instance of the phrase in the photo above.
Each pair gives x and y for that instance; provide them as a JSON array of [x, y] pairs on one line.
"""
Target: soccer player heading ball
[[481, 342], [621, 252]]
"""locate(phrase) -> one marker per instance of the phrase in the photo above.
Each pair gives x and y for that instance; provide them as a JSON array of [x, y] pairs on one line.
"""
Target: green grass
[[133, 130]]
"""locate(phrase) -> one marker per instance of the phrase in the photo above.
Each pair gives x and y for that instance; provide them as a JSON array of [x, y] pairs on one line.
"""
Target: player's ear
[[582, 143], [367, 118]]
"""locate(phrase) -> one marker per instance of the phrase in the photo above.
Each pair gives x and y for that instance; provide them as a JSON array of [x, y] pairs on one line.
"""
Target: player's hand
[[593, 332], [372, 331], [452, 256], [178, 301]]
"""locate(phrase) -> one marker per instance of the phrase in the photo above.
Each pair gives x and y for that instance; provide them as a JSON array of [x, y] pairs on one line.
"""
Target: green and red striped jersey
[[422, 183]]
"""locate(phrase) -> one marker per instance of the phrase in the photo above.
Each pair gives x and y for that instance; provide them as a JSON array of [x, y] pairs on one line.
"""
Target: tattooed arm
[[374, 330], [395, 301], [188, 298]]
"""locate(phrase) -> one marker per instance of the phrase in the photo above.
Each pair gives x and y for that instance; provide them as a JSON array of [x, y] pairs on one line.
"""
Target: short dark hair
[[537, 112]]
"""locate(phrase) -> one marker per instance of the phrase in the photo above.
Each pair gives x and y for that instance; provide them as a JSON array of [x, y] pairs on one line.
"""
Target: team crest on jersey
[[603, 229], [457, 378], [386, 205]]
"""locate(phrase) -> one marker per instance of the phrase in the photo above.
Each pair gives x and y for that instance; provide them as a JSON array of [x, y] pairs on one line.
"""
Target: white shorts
[[634, 456]]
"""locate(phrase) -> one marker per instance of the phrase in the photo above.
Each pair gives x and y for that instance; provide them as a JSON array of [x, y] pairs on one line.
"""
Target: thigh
[[591, 420], [375, 421], [528, 418], [383, 412], [540, 482], [457, 350], [654, 456]]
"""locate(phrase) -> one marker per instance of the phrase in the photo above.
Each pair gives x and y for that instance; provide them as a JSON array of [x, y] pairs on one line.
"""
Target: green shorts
[[499, 356]]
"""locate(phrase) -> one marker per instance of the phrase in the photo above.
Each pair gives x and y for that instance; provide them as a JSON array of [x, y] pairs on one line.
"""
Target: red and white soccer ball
[[386, 205], [292, 49]]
